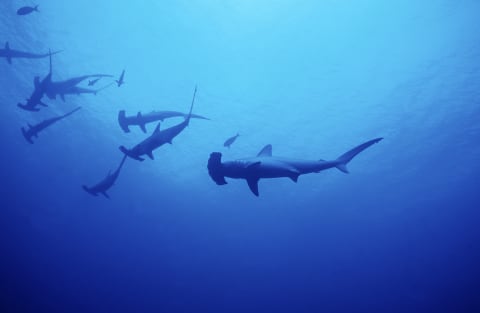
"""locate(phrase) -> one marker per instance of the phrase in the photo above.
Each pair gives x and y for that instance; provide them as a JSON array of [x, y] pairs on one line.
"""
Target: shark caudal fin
[[349, 155], [122, 121], [215, 168], [89, 190], [27, 137], [191, 106]]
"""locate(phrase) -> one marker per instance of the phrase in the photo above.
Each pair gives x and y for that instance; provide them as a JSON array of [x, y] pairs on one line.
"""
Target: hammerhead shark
[[106, 183], [93, 81], [38, 91], [264, 165], [36, 97], [154, 116], [10, 54], [158, 138], [230, 141], [120, 80], [52, 89], [33, 131], [69, 87]]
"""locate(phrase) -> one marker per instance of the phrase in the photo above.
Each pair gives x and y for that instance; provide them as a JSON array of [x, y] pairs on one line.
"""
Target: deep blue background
[[313, 78]]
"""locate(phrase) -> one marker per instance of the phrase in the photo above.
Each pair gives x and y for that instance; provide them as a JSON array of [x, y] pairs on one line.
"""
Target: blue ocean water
[[314, 79]]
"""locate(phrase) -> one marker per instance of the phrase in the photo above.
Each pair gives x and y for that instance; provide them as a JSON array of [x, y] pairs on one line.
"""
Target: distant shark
[[106, 183], [10, 54], [35, 98], [158, 138], [120, 80], [38, 91], [69, 87], [142, 119], [93, 81], [50, 88], [33, 131], [264, 165]]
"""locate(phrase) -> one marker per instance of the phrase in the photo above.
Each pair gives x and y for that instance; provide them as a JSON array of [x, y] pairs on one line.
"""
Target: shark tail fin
[[215, 168], [343, 160], [36, 8], [191, 106], [27, 137], [122, 121]]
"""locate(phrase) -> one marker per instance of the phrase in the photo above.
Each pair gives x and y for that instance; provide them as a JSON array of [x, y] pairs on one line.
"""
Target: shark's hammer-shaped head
[[215, 168]]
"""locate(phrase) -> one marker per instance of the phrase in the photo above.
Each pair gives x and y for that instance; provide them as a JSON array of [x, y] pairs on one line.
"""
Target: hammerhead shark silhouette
[[120, 81], [33, 130], [154, 116], [10, 54], [106, 183], [38, 91], [264, 165], [52, 89], [158, 138]]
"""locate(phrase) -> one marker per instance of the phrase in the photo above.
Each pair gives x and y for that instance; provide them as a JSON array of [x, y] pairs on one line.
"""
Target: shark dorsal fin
[[139, 114], [265, 152], [157, 129], [7, 46]]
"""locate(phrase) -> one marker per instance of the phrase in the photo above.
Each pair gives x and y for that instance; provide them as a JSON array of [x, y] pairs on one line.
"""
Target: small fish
[[230, 140], [93, 81], [27, 10]]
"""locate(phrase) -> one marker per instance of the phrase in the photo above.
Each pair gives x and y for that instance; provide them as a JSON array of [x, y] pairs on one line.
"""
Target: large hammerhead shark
[[154, 116], [106, 183], [33, 131], [264, 165], [10, 54], [158, 138], [52, 89]]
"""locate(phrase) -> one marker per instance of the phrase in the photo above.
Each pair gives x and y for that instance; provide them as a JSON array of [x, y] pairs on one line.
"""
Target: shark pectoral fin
[[294, 176], [142, 127], [28, 138], [343, 167], [105, 194], [150, 154], [89, 191], [266, 151], [253, 185]]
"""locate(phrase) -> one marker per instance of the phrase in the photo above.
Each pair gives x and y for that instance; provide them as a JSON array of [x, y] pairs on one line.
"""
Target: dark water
[[313, 78]]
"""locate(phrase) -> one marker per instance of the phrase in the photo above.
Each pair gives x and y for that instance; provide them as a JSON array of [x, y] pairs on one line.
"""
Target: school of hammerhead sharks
[[252, 169]]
